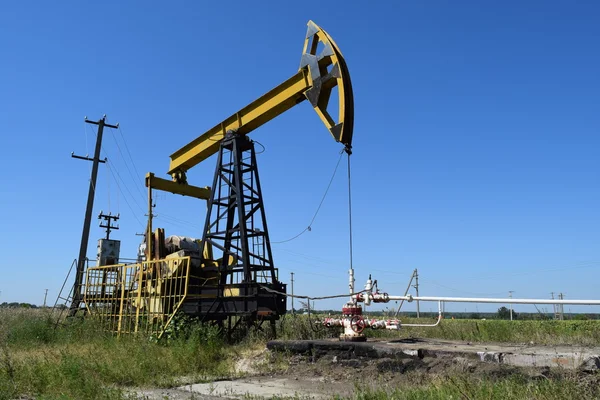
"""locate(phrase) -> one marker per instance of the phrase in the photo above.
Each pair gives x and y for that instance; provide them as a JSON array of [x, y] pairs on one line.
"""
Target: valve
[[357, 323], [381, 297]]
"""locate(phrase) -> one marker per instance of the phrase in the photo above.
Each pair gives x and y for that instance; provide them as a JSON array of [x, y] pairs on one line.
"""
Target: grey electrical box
[[108, 252]]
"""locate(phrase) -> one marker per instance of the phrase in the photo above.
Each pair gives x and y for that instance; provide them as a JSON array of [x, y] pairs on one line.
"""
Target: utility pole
[[108, 218], [45, 297], [561, 307], [85, 235], [412, 276], [149, 236], [416, 286], [292, 281], [554, 306], [510, 292]]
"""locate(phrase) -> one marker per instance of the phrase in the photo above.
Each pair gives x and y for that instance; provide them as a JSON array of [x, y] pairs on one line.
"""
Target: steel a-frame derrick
[[236, 230]]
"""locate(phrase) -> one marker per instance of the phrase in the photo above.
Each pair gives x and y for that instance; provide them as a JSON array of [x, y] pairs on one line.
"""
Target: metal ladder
[[63, 302]]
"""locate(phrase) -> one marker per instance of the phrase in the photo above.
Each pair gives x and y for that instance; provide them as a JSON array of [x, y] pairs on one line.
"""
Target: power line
[[118, 203], [117, 177], [297, 296], [108, 188], [182, 224], [127, 166], [180, 221], [129, 153], [113, 171], [386, 271], [309, 227], [125, 198]]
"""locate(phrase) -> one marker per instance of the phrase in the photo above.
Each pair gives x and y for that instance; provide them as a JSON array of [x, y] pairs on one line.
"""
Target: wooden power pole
[[292, 280], [416, 286], [85, 235]]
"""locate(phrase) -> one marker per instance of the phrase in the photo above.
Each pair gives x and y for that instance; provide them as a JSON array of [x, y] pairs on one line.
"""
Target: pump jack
[[232, 277]]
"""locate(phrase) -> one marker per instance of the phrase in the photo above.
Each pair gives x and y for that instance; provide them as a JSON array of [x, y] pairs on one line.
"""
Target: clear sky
[[475, 145]]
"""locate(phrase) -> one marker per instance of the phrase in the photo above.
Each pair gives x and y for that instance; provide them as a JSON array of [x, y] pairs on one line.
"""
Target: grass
[[79, 361], [467, 388], [548, 332]]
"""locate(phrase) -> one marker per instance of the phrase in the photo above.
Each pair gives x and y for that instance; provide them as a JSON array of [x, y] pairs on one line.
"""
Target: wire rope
[[309, 227], [350, 211]]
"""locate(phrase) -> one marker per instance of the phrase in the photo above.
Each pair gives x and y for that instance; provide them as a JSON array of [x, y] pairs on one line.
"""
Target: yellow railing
[[142, 297]]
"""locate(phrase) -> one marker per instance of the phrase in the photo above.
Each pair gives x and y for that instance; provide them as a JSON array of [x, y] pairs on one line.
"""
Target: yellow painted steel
[[144, 297], [177, 188], [319, 73], [141, 297], [231, 292], [260, 111]]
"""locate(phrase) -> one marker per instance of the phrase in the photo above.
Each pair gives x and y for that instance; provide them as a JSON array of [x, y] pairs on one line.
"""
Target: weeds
[[469, 388], [548, 332], [79, 360], [7, 385]]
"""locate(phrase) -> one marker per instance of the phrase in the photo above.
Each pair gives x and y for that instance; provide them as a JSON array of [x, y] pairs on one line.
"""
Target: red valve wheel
[[357, 323]]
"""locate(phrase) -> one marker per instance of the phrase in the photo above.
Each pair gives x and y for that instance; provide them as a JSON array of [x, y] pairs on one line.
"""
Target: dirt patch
[[406, 369], [367, 370], [321, 374], [250, 362]]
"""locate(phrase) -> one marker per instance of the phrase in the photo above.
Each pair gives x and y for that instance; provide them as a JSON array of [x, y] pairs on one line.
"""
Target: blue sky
[[475, 145]]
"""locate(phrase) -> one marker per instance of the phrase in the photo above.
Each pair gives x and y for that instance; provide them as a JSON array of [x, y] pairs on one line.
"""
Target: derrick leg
[[236, 230]]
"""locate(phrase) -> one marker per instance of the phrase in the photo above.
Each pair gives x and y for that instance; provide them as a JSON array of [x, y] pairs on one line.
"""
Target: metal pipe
[[368, 289], [493, 300], [430, 325]]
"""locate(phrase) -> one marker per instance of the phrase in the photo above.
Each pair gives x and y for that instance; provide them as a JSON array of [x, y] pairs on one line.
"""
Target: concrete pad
[[267, 388]]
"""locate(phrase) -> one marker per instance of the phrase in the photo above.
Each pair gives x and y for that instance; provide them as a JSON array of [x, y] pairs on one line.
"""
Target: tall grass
[[471, 388], [80, 361], [547, 332]]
